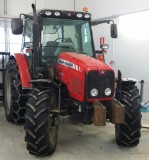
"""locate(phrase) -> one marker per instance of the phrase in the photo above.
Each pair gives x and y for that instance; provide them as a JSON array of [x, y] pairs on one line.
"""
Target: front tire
[[128, 134], [15, 96], [40, 124]]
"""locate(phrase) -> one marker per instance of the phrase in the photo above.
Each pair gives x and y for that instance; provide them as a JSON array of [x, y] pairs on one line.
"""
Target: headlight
[[107, 91], [94, 92], [57, 13], [79, 15], [87, 16], [48, 13]]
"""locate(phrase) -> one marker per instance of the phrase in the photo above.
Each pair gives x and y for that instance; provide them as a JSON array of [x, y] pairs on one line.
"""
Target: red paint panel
[[102, 40], [76, 85], [23, 69], [73, 74], [73, 79]]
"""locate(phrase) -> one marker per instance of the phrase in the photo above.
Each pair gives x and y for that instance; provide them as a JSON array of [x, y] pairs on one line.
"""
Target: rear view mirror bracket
[[113, 29]]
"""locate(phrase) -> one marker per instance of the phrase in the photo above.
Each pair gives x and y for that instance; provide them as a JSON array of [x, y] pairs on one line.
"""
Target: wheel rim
[[8, 93]]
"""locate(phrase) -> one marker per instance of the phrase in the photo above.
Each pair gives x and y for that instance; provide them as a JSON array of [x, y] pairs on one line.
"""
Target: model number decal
[[68, 64]]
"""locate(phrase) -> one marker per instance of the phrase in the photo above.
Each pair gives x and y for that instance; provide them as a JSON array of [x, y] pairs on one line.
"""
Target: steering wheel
[[63, 39]]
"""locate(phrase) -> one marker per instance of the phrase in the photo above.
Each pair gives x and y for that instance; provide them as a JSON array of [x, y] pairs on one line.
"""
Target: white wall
[[131, 56], [24, 6], [1, 7], [104, 8]]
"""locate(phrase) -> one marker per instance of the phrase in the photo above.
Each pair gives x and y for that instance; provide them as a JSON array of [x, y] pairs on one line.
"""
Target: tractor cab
[[58, 31], [50, 32]]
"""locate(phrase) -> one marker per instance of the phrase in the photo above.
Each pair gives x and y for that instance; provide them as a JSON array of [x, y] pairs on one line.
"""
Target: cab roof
[[54, 13]]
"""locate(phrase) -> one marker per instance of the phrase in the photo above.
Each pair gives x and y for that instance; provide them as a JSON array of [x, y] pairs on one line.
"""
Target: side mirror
[[17, 26], [114, 33]]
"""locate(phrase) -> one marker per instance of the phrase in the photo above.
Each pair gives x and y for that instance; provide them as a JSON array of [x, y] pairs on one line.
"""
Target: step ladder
[[2, 70]]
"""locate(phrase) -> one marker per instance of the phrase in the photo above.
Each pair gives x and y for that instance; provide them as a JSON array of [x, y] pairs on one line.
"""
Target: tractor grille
[[100, 80]]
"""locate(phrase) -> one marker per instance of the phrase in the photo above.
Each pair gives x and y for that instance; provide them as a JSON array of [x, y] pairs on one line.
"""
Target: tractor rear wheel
[[15, 97], [41, 126], [128, 134]]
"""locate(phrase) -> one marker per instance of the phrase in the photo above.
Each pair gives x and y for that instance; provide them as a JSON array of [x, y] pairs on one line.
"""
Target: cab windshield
[[64, 35]]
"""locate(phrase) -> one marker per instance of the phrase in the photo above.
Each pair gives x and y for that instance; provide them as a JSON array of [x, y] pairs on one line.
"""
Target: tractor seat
[[50, 48]]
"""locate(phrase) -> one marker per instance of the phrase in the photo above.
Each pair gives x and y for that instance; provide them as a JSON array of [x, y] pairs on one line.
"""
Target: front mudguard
[[23, 68]]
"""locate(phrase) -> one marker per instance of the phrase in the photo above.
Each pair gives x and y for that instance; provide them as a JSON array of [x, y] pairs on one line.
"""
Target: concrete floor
[[76, 142]]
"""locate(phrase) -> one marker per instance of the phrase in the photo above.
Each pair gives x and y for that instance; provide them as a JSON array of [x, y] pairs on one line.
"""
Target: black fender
[[121, 82], [48, 84], [42, 82]]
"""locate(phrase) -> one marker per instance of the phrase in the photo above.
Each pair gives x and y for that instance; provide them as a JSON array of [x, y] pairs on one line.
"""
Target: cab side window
[[28, 34]]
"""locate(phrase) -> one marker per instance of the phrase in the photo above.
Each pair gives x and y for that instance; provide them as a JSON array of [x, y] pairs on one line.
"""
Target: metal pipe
[[36, 56], [74, 4], [5, 7], [118, 87], [6, 28], [141, 89]]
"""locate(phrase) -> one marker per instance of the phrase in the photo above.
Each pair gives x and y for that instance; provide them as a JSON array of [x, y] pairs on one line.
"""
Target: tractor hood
[[80, 72], [81, 61]]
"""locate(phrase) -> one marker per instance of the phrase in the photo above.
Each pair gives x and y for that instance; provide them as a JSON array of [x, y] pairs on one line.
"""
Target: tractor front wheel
[[41, 124], [129, 133], [15, 97]]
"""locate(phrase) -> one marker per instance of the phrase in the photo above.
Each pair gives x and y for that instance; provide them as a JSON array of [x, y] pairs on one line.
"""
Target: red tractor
[[57, 78]]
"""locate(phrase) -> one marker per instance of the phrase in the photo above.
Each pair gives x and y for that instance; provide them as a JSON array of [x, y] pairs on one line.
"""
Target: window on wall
[[13, 42], [2, 36]]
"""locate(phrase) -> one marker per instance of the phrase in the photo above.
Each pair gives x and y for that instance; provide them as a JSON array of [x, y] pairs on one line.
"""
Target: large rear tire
[[40, 124], [15, 97], [128, 134]]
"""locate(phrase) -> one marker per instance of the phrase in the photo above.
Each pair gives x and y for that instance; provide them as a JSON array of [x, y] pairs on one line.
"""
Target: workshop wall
[[1, 7], [129, 54], [105, 8], [24, 6]]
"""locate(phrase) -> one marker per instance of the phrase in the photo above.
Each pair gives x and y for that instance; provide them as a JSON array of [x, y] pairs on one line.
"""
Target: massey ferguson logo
[[68, 64]]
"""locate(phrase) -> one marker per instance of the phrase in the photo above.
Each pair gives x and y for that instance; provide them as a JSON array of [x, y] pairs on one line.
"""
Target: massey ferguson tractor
[[58, 78]]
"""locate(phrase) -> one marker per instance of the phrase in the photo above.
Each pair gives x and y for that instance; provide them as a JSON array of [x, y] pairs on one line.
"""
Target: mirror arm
[[26, 16], [112, 21], [98, 51], [93, 23]]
